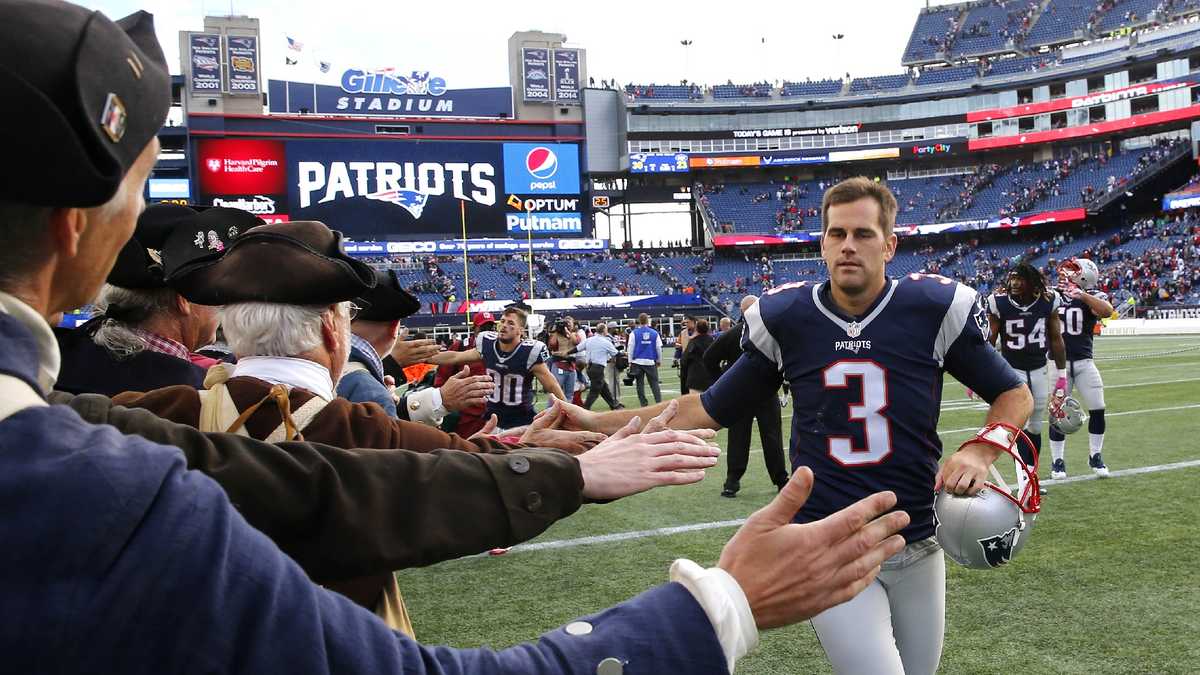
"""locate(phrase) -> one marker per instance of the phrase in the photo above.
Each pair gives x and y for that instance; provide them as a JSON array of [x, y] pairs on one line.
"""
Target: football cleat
[[1097, 464], [1058, 470]]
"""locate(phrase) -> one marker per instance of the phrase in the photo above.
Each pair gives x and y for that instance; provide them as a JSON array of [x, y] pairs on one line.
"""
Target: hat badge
[[113, 120]]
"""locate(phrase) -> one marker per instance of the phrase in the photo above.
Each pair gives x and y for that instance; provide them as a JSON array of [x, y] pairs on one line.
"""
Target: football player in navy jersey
[[513, 363], [865, 357], [1080, 309], [1024, 321]]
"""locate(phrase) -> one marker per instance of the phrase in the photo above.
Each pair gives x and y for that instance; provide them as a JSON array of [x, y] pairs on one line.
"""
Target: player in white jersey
[[1081, 309]]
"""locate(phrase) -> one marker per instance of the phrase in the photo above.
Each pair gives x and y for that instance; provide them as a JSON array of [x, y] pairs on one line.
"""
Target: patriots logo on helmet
[[998, 549], [541, 162], [409, 200]]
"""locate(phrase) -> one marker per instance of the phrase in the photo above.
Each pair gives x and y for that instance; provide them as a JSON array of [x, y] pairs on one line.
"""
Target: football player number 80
[[508, 388], [872, 378]]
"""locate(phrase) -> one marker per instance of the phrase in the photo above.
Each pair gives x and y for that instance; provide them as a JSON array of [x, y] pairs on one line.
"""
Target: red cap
[[483, 317]]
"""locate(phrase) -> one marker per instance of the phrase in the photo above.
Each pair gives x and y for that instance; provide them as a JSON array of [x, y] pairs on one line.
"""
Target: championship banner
[[205, 57], [242, 51], [566, 76], [535, 75]]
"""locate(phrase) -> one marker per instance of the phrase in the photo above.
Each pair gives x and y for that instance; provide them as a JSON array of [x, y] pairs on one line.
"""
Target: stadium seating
[[1127, 13], [1059, 21], [878, 83], [943, 75], [675, 92], [1020, 64], [813, 88], [988, 28], [929, 33], [757, 90]]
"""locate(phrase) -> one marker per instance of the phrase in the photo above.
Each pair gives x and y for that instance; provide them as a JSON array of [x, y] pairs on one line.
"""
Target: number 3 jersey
[[513, 395], [1023, 329], [866, 390]]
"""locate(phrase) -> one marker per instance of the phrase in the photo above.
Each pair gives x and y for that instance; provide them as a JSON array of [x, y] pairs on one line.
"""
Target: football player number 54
[[872, 378]]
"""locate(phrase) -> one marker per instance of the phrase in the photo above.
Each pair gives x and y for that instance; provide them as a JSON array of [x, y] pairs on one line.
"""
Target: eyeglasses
[[354, 310]]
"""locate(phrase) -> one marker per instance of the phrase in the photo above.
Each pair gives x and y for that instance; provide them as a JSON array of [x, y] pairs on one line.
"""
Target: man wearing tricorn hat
[[120, 560], [373, 334], [146, 333]]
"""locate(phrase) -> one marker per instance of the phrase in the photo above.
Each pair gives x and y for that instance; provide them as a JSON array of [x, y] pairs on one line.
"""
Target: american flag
[[295, 45], [409, 200]]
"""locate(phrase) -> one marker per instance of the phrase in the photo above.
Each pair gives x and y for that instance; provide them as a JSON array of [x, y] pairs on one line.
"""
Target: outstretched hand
[[627, 462], [489, 427], [545, 432], [791, 572]]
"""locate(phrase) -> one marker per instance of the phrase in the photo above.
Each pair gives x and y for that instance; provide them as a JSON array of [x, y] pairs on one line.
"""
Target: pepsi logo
[[541, 162], [214, 164]]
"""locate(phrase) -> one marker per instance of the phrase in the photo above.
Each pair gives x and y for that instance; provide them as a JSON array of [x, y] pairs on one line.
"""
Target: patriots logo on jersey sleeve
[[980, 316], [998, 549]]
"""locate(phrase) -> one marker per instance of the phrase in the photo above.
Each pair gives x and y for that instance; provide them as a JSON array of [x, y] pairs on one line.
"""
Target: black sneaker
[[1097, 464], [729, 493], [1058, 470]]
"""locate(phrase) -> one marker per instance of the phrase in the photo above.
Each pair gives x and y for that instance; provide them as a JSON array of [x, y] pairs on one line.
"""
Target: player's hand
[[965, 472], [1060, 387], [575, 418], [465, 390], [544, 433], [489, 427], [627, 463], [662, 422], [792, 572], [409, 352]]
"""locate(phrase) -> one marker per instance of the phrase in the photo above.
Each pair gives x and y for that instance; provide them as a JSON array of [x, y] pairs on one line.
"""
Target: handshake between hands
[[788, 572]]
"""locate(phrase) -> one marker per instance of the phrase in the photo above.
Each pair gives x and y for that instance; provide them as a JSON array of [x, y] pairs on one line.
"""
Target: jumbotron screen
[[399, 189]]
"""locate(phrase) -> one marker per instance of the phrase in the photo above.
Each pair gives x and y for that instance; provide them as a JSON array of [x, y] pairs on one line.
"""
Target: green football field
[[1109, 583]]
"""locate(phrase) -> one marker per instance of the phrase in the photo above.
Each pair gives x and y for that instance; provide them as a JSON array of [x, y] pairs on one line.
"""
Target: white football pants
[[1039, 386], [1084, 376], [895, 626]]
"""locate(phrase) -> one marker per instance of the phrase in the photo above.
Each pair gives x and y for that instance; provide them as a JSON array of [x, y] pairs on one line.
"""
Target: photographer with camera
[[600, 349], [562, 337]]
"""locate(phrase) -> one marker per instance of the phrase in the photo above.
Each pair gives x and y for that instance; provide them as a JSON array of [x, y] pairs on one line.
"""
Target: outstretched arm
[[456, 358]]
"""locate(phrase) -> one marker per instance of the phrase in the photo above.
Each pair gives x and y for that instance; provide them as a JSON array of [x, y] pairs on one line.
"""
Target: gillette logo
[[542, 163], [386, 81]]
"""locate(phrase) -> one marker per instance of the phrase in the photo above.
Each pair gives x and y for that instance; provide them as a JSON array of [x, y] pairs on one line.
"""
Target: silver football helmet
[[1066, 415], [1081, 272], [990, 528]]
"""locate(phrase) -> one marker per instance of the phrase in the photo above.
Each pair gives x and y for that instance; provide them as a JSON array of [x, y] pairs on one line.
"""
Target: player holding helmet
[[1024, 321], [1081, 308], [865, 356]]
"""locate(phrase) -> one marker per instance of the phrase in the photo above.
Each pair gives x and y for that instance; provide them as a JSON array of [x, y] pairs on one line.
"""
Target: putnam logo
[[541, 163]]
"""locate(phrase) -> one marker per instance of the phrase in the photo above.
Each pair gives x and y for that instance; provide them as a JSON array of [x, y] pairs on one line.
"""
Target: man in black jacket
[[718, 357]]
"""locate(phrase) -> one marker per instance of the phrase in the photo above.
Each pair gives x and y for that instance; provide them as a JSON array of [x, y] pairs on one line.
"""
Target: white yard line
[[718, 524]]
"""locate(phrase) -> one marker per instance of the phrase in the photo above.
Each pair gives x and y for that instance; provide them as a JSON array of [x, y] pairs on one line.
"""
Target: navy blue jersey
[[513, 395], [866, 391], [1023, 329], [1078, 326]]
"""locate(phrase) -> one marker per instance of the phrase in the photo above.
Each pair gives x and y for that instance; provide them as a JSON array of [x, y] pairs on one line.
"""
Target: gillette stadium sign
[[399, 189], [385, 92]]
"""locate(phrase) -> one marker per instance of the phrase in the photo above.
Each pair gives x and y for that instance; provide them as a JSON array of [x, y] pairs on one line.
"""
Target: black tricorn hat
[[388, 301], [83, 96], [170, 236], [295, 263]]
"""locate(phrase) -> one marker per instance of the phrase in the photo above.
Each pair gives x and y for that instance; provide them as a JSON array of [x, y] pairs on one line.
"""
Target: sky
[[465, 42]]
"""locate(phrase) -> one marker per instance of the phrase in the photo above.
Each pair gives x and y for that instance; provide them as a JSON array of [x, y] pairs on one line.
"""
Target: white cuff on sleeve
[[425, 406], [723, 601]]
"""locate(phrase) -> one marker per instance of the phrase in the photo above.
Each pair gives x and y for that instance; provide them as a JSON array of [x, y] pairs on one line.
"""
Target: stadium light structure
[[687, 57]]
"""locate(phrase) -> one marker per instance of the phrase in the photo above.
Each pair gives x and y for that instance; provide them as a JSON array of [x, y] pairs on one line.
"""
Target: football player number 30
[[872, 378]]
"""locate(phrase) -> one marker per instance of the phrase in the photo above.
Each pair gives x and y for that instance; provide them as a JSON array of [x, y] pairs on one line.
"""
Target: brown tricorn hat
[[295, 263]]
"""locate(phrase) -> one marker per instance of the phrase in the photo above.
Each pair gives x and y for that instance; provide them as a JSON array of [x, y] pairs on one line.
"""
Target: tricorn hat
[[170, 236], [83, 96], [388, 301], [295, 263]]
